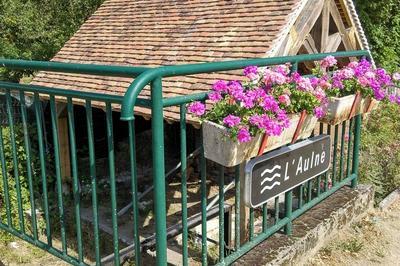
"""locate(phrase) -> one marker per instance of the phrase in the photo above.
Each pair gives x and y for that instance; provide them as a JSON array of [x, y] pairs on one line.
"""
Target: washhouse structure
[[111, 166]]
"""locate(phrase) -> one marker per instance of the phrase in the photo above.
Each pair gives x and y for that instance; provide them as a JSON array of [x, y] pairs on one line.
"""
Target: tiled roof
[[154, 33]]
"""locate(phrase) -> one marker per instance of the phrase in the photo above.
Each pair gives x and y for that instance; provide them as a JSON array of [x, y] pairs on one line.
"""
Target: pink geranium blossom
[[328, 61], [231, 120], [243, 135], [319, 112], [214, 96], [197, 108], [284, 99]]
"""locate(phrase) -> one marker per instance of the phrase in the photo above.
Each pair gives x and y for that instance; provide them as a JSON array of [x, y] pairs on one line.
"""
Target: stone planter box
[[219, 148], [339, 108]]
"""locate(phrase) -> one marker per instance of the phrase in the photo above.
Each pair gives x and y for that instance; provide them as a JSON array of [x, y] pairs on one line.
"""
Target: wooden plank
[[334, 41], [63, 138], [340, 25], [305, 23], [325, 26], [309, 44]]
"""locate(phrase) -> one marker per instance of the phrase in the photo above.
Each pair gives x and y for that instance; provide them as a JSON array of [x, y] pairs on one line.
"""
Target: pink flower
[[244, 135], [328, 61], [320, 94], [214, 96], [319, 112], [396, 76], [284, 99], [347, 73], [271, 77], [369, 75], [231, 120], [251, 72], [363, 81], [197, 108], [304, 84], [392, 98], [352, 64]]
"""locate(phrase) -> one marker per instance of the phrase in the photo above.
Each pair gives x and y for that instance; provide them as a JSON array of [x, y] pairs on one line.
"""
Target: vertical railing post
[[157, 124], [356, 150], [288, 212]]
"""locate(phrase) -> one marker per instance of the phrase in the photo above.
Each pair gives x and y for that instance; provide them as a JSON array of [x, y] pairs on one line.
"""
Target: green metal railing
[[60, 228]]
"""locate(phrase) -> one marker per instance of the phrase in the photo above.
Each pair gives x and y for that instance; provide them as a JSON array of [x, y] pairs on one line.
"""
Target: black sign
[[279, 171]]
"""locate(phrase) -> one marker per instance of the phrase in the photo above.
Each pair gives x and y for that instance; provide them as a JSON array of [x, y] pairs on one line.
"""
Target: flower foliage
[[262, 102]]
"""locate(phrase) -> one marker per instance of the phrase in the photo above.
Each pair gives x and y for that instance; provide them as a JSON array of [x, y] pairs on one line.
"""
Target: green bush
[[22, 174], [380, 150]]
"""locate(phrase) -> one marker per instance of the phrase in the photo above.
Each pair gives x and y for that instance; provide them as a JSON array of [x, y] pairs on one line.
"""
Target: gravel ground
[[375, 240]]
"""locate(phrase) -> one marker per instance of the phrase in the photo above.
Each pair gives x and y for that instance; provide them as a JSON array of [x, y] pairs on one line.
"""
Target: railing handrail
[[78, 68], [146, 77]]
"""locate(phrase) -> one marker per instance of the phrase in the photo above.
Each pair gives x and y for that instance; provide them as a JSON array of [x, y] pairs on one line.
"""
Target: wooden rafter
[[320, 28]]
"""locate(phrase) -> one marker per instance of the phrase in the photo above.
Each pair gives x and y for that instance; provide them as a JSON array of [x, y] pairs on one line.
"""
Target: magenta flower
[[220, 86], [197, 108], [379, 94], [256, 120], [328, 61], [319, 112], [244, 135], [269, 104], [214, 96], [235, 89], [231, 120]]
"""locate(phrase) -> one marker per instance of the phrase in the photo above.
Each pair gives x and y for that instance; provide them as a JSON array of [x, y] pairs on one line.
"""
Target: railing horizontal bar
[[91, 69], [42, 245], [178, 70], [60, 92], [323, 196], [256, 240], [284, 221], [131, 95], [184, 99]]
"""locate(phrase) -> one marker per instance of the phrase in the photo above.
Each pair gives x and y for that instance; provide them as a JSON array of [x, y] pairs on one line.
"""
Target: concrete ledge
[[312, 230], [389, 200]]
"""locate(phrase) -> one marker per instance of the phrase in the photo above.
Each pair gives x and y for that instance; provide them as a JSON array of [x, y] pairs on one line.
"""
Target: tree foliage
[[37, 29], [381, 22]]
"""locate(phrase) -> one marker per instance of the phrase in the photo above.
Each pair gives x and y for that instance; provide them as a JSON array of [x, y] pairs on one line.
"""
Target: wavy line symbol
[[277, 183], [269, 179], [269, 171]]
